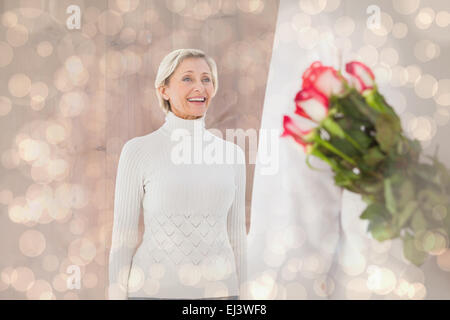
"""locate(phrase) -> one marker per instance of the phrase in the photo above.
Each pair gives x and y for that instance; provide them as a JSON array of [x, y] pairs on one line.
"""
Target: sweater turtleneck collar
[[190, 126]]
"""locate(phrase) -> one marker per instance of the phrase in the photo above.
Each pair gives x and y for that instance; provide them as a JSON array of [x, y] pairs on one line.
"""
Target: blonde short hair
[[171, 61]]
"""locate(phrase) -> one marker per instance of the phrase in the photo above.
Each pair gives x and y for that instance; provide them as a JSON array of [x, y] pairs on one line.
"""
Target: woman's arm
[[236, 220], [127, 207]]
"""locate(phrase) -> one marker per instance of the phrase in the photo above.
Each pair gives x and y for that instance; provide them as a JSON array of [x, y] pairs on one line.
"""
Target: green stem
[[331, 126], [320, 155], [373, 101], [362, 107], [334, 150]]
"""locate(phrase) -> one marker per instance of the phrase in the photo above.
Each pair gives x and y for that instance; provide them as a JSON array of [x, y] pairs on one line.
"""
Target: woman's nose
[[198, 86]]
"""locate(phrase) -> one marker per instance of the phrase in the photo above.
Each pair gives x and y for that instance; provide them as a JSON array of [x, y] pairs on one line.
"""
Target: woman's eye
[[189, 79]]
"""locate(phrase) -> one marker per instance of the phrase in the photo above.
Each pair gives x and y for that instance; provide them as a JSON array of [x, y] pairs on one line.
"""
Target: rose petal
[[315, 109], [299, 110], [362, 76], [324, 79], [311, 104], [292, 130]]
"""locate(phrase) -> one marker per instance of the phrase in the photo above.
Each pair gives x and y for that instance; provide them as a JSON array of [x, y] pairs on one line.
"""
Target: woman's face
[[190, 88]]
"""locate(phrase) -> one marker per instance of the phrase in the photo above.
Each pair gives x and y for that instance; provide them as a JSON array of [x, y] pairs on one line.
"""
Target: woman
[[194, 244]]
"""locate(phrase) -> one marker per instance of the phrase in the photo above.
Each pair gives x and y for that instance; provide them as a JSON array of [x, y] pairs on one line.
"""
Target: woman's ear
[[162, 91]]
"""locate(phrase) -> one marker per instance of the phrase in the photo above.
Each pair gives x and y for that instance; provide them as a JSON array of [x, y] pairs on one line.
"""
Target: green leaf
[[413, 148], [362, 138], [375, 211], [402, 147], [411, 252], [418, 222], [345, 147], [447, 221], [443, 172], [388, 131], [358, 101], [430, 197], [348, 108], [379, 225], [368, 198], [382, 231], [406, 213], [334, 149], [406, 193], [371, 186], [427, 172], [345, 179], [389, 196], [374, 156]]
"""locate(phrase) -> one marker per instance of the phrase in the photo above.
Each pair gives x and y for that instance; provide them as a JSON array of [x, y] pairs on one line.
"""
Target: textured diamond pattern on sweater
[[159, 236], [195, 220], [168, 246], [169, 229], [186, 247], [203, 228], [196, 239], [211, 220], [204, 248], [176, 256], [177, 238], [196, 257], [177, 220], [162, 219], [185, 238], [187, 229], [158, 255]]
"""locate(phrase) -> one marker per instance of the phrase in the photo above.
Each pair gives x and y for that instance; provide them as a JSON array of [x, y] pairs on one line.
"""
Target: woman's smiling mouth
[[197, 100]]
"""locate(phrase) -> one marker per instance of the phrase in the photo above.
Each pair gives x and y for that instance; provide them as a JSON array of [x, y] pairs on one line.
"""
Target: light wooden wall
[[70, 99]]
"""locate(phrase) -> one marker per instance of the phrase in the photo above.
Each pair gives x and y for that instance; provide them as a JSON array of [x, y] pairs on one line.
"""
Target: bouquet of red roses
[[360, 136]]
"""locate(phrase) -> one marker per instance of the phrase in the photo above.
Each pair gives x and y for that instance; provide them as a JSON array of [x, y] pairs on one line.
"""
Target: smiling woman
[[186, 83], [194, 243]]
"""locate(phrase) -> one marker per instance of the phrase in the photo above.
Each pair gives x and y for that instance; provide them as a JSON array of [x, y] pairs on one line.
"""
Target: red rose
[[323, 79], [311, 104], [361, 75], [300, 136]]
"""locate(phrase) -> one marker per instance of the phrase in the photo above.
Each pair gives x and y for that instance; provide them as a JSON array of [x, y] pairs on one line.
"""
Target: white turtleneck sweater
[[191, 187]]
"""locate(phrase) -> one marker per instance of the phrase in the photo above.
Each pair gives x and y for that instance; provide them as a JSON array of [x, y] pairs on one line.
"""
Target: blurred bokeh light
[[73, 97]]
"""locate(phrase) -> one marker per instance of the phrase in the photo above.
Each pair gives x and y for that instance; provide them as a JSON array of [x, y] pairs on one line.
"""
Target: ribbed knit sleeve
[[236, 220], [127, 207]]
